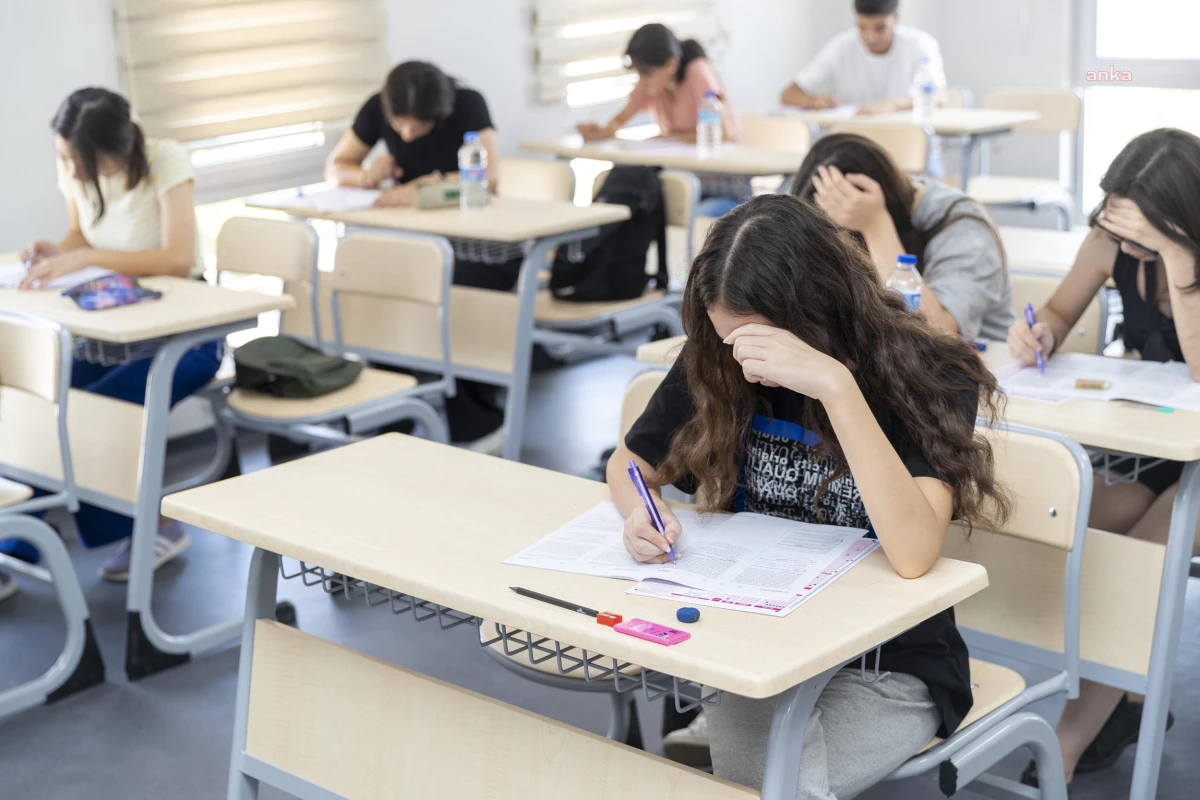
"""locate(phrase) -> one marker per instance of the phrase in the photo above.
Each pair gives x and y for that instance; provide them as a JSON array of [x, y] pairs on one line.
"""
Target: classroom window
[[1149, 29], [581, 43]]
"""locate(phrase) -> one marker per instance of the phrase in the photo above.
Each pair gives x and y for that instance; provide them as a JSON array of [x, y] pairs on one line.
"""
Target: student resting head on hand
[[806, 390], [967, 289]]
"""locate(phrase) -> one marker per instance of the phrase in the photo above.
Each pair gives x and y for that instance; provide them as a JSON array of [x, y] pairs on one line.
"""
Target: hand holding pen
[[1029, 341], [651, 530]]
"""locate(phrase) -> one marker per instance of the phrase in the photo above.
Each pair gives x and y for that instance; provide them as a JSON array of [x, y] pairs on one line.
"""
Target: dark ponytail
[[97, 122], [653, 45]]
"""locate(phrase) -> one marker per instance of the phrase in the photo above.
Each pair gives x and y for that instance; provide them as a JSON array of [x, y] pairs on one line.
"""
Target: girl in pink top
[[672, 79]]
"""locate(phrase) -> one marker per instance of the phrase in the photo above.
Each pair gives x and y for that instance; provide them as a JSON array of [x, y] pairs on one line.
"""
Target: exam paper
[[12, 274], [743, 554], [1149, 382], [326, 201], [754, 604]]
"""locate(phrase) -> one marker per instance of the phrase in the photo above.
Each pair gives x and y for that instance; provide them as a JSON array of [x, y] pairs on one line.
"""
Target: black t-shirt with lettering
[[781, 473], [436, 151]]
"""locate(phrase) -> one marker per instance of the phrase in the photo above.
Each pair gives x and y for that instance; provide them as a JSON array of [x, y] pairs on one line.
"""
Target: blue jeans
[[99, 526], [715, 206]]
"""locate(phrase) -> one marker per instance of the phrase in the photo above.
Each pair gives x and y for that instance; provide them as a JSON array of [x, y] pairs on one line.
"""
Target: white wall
[[48, 48]]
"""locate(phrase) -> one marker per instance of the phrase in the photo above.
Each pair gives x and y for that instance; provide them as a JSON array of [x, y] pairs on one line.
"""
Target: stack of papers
[[1151, 382], [325, 201], [12, 274], [749, 562]]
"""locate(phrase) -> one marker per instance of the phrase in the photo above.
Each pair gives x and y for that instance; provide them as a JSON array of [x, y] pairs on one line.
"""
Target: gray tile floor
[[168, 736]]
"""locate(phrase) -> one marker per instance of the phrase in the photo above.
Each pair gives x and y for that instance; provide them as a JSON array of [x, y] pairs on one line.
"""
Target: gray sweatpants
[[858, 733]]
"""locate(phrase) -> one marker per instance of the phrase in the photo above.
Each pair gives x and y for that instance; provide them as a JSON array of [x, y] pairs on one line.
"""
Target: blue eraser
[[687, 614]]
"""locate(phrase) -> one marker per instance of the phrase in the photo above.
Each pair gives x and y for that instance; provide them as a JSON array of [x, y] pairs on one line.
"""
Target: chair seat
[[1001, 189], [993, 686], [551, 310], [550, 666], [371, 385], [12, 493]]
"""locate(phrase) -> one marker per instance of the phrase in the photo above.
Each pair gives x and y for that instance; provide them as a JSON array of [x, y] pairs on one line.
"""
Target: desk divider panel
[[363, 728], [1121, 578]]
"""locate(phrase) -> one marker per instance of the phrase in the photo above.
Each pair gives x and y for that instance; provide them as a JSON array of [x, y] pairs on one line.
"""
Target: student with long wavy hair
[[130, 209], [959, 255], [1145, 237], [807, 391]]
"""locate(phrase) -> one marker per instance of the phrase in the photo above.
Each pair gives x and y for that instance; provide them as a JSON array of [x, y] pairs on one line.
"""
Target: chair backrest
[[958, 97], [1060, 110], [535, 179], [681, 193], [790, 134], [637, 396], [907, 145], [1087, 336], [255, 246]]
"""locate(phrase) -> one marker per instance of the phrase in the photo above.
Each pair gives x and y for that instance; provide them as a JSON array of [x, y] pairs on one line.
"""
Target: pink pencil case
[[652, 631]]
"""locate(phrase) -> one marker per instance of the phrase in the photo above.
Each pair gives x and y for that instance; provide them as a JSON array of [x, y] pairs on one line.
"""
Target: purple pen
[[639, 482], [1031, 319]]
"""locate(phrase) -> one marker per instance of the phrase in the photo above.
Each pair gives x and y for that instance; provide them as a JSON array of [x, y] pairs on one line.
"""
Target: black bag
[[614, 261], [286, 367]]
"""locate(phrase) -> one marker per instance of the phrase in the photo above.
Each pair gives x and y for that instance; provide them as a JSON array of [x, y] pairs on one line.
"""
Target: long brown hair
[[781, 258], [98, 122], [850, 152]]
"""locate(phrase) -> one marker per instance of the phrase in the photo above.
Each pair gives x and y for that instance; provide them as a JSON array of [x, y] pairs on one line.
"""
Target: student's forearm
[[72, 241], [346, 173], [624, 494], [1185, 306], [883, 243], [793, 95], [142, 262], [908, 528]]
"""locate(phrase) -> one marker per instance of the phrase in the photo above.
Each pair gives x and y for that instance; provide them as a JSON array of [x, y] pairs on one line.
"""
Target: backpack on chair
[[287, 367], [613, 266]]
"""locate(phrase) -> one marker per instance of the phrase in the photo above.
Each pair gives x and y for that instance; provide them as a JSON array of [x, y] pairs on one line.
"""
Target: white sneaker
[[491, 444], [8, 586], [689, 745], [171, 540]]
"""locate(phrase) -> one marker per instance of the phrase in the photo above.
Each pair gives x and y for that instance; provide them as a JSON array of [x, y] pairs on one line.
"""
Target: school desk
[[393, 512], [497, 327], [969, 125], [1041, 249], [119, 448], [730, 159]]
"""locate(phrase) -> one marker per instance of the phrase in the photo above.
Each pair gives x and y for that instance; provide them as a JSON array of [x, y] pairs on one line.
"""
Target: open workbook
[[749, 562], [1074, 376]]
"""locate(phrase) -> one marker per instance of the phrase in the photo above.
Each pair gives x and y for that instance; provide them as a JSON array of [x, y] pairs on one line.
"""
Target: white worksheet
[[328, 200], [12, 274], [1169, 385], [743, 554]]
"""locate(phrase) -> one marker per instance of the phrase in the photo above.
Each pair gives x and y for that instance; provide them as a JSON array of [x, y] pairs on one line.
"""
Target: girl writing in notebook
[[967, 289], [130, 209], [807, 391], [1145, 237]]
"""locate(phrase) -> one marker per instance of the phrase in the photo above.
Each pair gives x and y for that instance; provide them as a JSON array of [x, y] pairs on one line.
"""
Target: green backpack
[[286, 367]]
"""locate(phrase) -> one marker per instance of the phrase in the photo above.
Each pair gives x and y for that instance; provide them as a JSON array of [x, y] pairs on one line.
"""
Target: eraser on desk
[[687, 614], [608, 618]]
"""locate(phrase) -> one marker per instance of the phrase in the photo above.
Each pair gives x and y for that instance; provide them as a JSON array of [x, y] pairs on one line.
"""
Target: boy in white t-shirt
[[871, 67]]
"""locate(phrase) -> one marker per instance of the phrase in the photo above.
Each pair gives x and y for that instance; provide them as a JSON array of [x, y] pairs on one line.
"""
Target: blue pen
[[639, 482], [1032, 320]]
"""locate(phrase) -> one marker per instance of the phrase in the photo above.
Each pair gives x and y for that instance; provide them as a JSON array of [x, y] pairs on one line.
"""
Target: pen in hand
[[1031, 319], [639, 482]]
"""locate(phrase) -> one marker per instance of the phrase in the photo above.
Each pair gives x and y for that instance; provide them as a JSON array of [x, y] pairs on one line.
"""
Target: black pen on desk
[[603, 617]]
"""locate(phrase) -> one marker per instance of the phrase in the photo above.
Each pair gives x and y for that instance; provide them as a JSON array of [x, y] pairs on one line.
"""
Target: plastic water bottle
[[923, 91], [708, 125], [906, 281], [472, 174]]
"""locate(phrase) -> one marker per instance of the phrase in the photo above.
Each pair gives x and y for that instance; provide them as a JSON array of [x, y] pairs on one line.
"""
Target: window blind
[[581, 43], [201, 69]]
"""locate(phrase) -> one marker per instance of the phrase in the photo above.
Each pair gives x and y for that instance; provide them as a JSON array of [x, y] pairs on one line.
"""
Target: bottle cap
[[471, 136], [687, 614], [905, 258], [710, 94]]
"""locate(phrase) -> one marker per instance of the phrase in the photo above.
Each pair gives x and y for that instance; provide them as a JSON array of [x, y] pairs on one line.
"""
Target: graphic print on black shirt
[[783, 472]]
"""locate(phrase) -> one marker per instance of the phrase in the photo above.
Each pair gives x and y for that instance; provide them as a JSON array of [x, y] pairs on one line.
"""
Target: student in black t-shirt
[[421, 115], [807, 391]]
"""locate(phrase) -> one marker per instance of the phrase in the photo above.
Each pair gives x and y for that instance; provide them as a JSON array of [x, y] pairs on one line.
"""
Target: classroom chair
[[1089, 333], [35, 378], [907, 145], [536, 179], [1050, 480], [413, 274], [958, 97], [789, 133], [1060, 112], [535, 666], [598, 327]]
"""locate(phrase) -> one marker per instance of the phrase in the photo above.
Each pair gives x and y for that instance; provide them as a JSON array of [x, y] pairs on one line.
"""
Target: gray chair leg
[[1024, 729], [618, 719], [1064, 215]]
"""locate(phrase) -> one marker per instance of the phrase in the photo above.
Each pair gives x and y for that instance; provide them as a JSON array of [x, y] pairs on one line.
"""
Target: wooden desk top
[[504, 220], [663, 352], [944, 121], [437, 522], [1041, 249], [733, 159], [186, 305]]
